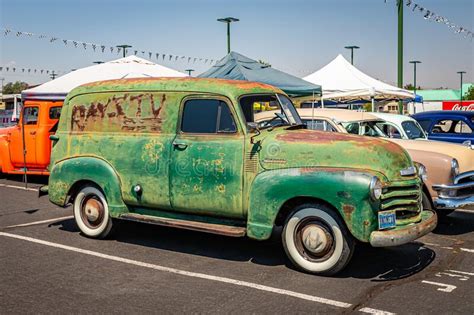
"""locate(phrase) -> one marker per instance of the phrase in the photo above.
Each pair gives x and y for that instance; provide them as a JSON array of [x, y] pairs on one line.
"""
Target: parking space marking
[[255, 286], [463, 272], [369, 310], [468, 250], [444, 287], [18, 187], [40, 222]]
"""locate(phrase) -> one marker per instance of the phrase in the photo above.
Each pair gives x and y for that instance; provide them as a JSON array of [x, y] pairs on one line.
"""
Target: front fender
[[65, 173], [347, 190]]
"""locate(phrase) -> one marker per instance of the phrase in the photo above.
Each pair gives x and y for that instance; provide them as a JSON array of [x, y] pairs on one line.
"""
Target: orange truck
[[31, 135]]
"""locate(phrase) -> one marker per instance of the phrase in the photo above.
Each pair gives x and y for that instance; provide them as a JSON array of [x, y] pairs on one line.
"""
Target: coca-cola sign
[[456, 105]]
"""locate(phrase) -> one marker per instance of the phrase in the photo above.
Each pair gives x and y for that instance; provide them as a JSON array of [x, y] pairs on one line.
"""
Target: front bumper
[[458, 195], [454, 203], [405, 234]]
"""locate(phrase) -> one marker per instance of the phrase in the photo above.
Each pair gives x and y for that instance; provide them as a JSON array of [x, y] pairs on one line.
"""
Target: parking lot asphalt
[[46, 266]]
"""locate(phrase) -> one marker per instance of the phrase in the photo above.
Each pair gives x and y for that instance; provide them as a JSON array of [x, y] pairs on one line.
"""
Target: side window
[[319, 124], [424, 123], [30, 115], [353, 128], [207, 116], [451, 126], [55, 112], [462, 127]]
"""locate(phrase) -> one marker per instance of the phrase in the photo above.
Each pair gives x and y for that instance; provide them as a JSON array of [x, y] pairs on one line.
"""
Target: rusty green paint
[[119, 134]]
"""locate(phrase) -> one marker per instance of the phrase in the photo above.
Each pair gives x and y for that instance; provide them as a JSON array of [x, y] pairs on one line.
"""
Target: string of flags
[[431, 16], [103, 48], [17, 69]]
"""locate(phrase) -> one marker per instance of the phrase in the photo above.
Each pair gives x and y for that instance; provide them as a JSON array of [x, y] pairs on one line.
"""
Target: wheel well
[[427, 192], [77, 186], [290, 204]]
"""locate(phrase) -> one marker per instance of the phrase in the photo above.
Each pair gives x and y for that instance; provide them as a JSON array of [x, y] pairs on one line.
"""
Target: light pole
[[189, 71], [414, 62], [228, 20], [124, 48], [461, 74], [352, 52], [400, 51]]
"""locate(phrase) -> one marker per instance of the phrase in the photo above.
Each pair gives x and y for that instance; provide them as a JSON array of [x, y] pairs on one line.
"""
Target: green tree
[[14, 88], [411, 88], [469, 94]]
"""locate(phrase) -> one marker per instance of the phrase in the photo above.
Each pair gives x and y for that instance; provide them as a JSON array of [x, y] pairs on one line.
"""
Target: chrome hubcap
[[315, 239], [92, 212]]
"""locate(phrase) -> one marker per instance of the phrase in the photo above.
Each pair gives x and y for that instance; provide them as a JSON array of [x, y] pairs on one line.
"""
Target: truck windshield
[[269, 110]]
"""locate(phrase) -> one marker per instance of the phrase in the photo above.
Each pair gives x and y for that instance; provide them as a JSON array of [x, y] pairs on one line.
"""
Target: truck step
[[227, 230]]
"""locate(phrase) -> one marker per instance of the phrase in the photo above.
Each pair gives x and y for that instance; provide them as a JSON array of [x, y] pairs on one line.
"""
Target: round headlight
[[454, 167], [375, 188], [422, 172]]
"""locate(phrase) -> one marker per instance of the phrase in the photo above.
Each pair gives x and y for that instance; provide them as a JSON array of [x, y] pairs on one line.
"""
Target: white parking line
[[18, 187], [468, 250], [40, 222], [374, 311], [255, 286]]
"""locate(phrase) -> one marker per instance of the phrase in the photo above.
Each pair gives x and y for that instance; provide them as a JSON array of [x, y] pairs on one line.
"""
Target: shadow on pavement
[[32, 179], [457, 223], [378, 264]]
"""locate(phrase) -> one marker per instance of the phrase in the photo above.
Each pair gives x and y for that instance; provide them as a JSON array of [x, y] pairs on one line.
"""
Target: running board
[[227, 230]]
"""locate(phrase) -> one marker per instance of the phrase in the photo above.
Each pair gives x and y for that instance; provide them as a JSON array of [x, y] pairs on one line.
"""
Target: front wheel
[[91, 212], [316, 240]]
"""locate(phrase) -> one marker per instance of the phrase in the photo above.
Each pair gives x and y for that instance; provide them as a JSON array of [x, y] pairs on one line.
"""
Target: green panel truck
[[187, 153]]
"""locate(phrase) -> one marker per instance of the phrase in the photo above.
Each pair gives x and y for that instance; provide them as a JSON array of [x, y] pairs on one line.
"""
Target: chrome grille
[[404, 199]]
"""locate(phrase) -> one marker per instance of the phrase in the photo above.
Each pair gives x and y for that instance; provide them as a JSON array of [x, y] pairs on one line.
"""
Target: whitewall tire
[[316, 240], [91, 212]]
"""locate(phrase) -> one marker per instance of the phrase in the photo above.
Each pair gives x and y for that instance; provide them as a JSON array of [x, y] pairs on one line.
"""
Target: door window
[[451, 126], [207, 116], [30, 115], [54, 112], [319, 124]]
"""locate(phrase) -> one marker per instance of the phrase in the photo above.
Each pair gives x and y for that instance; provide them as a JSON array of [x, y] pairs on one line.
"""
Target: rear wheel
[[316, 240], [91, 212]]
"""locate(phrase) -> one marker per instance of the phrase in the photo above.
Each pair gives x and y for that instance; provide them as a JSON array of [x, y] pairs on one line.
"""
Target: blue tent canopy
[[235, 66]]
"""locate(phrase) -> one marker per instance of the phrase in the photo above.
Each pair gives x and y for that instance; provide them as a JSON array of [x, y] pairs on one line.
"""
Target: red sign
[[456, 105]]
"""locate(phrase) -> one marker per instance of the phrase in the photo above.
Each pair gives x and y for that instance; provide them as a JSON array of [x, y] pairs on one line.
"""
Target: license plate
[[387, 219]]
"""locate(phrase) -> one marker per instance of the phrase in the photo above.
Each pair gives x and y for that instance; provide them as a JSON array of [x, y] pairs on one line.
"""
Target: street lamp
[[352, 52], [189, 71], [124, 48], [461, 73], [414, 62], [228, 20]]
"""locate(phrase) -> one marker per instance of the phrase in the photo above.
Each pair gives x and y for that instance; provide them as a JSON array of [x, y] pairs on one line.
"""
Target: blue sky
[[295, 36]]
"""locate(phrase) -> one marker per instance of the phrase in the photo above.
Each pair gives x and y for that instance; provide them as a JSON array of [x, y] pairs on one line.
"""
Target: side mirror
[[253, 127]]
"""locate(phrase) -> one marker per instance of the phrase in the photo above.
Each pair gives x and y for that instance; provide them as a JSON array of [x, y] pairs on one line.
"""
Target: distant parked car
[[450, 126]]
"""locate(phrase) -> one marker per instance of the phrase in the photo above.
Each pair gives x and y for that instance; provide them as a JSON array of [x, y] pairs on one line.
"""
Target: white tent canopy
[[128, 67], [341, 81]]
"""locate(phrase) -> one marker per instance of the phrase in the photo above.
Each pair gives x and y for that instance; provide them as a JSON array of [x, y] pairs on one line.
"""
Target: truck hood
[[462, 153], [309, 148]]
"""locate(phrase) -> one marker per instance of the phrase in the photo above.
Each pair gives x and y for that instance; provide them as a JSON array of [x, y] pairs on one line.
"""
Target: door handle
[[180, 145]]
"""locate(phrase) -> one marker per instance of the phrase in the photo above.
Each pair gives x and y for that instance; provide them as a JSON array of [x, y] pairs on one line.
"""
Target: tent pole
[[312, 110], [373, 104], [322, 101]]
